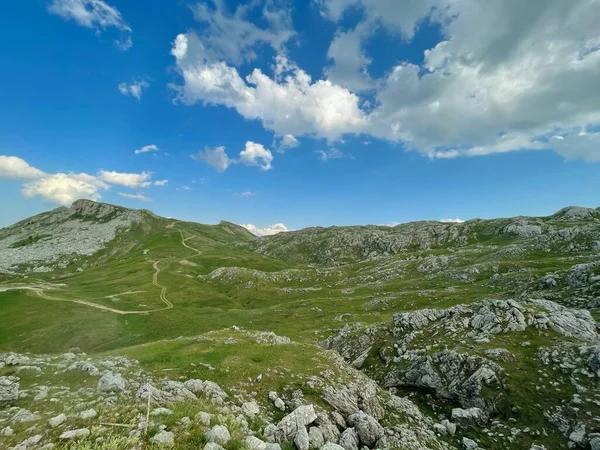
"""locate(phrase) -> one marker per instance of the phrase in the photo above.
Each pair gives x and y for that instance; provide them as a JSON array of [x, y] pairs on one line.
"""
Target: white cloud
[[281, 144], [130, 180], [331, 153], [232, 37], [64, 188], [507, 76], [292, 105], [95, 14], [253, 155], [246, 194], [146, 149], [161, 182], [256, 155], [135, 89], [349, 68], [138, 196], [457, 220], [215, 157], [16, 168], [266, 231]]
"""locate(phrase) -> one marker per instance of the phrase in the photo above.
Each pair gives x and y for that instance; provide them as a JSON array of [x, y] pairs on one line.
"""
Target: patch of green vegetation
[[29, 240]]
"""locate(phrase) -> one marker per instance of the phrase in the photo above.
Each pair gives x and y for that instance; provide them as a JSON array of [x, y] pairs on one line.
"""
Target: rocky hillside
[[52, 240], [571, 229], [124, 330]]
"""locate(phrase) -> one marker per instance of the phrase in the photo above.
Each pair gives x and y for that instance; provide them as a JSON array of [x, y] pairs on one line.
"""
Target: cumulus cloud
[[15, 168], [281, 144], [137, 196], [350, 62], [253, 155], [135, 89], [291, 104], [266, 231], [161, 182], [64, 188], [95, 14], [130, 180], [146, 149], [215, 157], [232, 36], [256, 155], [506, 76]]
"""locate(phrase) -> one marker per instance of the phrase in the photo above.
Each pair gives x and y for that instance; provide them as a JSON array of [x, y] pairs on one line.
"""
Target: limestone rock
[[84, 366], [57, 421], [219, 435], [301, 441], [469, 444], [331, 446], [315, 437], [213, 446], [368, 429], [291, 424], [87, 414], [75, 434], [204, 418], [349, 439], [164, 439], [469, 418], [250, 409], [9, 389], [111, 382]]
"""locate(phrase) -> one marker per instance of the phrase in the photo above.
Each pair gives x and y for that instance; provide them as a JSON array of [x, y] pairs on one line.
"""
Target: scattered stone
[[250, 409], [24, 415], [75, 434], [291, 424], [161, 412], [110, 382], [9, 389], [368, 429], [469, 444], [204, 418], [213, 446], [469, 418], [87, 414], [164, 439], [218, 434], [84, 366], [57, 421]]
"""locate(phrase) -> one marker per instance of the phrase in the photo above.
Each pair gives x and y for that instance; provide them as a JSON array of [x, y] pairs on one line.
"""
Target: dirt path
[[40, 290], [185, 239]]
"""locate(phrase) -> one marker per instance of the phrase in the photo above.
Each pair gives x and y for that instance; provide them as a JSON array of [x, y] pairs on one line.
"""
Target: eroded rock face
[[450, 375]]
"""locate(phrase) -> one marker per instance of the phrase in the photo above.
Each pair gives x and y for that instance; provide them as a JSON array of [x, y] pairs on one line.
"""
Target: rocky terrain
[[124, 330]]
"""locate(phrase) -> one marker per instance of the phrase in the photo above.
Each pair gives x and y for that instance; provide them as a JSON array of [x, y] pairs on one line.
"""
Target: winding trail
[[41, 290], [183, 242]]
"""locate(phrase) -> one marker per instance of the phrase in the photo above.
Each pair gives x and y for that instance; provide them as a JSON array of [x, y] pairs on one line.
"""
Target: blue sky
[[301, 113]]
